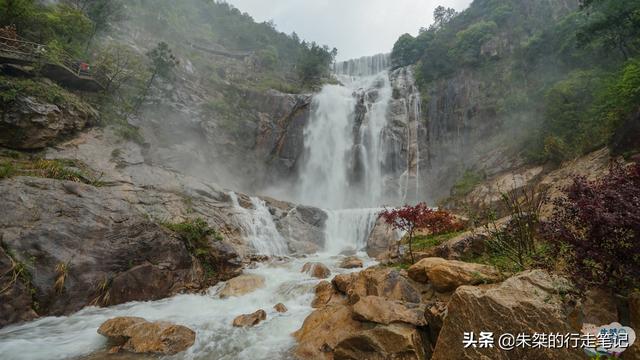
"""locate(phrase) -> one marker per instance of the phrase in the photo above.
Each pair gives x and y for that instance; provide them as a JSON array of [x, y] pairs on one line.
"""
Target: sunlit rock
[[137, 335], [241, 285], [351, 262], [447, 275], [316, 269], [247, 320], [530, 302], [380, 310]]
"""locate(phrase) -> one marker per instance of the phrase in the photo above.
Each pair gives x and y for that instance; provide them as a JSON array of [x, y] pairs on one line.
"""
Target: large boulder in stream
[[247, 320], [372, 314], [137, 335], [351, 262], [316, 269], [242, 285]]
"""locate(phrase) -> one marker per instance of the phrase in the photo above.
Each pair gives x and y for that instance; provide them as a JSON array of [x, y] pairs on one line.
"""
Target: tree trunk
[[410, 246], [145, 93]]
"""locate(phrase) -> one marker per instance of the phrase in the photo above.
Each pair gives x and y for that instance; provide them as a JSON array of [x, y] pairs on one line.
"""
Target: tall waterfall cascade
[[362, 148], [362, 143]]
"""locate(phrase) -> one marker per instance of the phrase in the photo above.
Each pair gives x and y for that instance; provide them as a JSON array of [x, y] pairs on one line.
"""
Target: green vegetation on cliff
[[563, 77], [282, 60]]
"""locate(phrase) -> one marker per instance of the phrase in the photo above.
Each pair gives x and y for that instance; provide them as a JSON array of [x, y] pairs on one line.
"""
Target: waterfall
[[349, 229], [364, 66], [344, 147], [258, 227]]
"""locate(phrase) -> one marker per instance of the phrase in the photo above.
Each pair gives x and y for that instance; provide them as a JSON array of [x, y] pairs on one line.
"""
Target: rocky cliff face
[[29, 123], [215, 120], [85, 245], [66, 245], [407, 133], [464, 111], [257, 146]]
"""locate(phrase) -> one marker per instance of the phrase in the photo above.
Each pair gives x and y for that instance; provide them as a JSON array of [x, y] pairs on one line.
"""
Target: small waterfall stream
[[258, 227], [348, 229]]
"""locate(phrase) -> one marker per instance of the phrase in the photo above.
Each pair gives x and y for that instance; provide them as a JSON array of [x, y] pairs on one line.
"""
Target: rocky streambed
[[210, 315]]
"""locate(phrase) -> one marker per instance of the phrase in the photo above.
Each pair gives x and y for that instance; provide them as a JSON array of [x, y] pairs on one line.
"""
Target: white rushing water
[[348, 229], [73, 336], [343, 154], [258, 227]]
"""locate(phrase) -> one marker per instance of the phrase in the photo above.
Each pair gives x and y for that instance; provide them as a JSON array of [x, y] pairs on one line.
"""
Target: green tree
[[314, 63], [470, 40], [405, 52], [162, 64], [442, 16], [102, 13], [268, 57], [614, 24], [20, 13]]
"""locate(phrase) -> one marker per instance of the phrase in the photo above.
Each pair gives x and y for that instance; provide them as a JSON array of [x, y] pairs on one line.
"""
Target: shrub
[[597, 226], [195, 234], [517, 240], [6, 170]]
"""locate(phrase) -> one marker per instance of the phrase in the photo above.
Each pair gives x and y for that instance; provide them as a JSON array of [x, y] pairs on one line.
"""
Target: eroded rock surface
[[382, 240], [28, 123], [526, 303], [111, 252], [379, 310], [396, 341], [385, 282]]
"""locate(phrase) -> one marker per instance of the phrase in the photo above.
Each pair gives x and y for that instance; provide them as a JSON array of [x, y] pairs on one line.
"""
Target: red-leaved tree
[[411, 218]]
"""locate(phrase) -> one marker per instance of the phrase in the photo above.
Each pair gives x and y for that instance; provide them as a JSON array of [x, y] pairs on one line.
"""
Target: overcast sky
[[355, 27]]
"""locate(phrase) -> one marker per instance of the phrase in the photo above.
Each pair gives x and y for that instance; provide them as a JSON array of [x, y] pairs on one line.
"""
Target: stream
[[74, 336]]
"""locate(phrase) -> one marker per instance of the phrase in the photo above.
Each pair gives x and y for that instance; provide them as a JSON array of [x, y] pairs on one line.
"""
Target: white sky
[[356, 27]]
